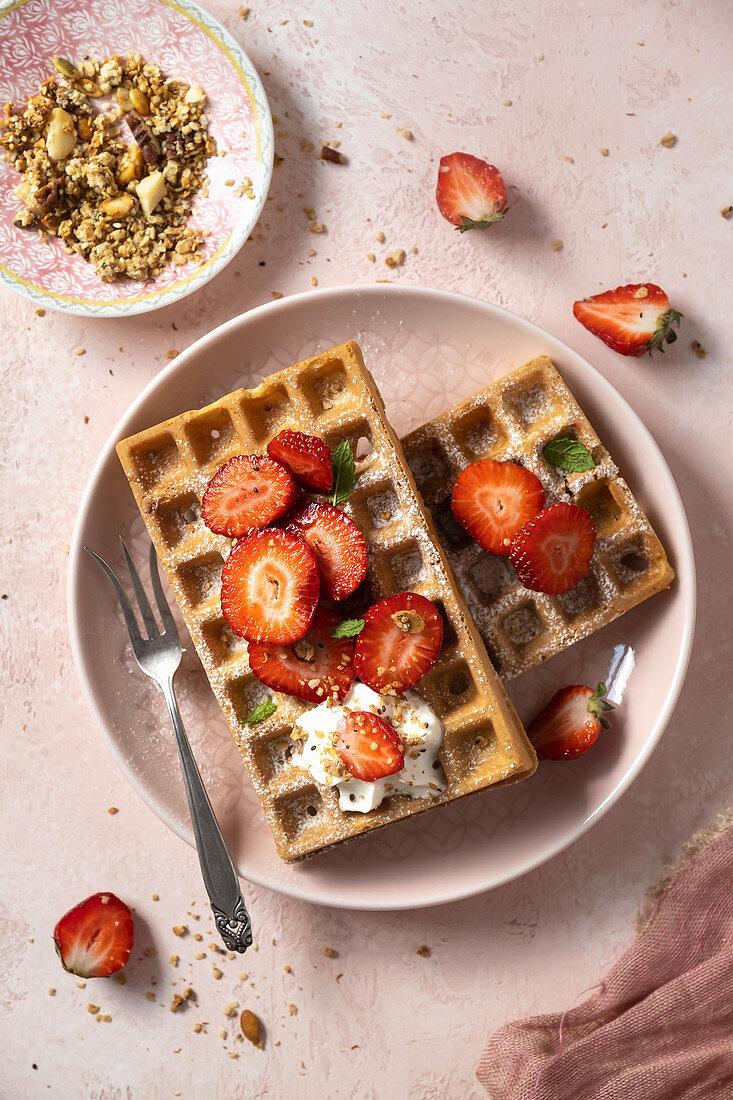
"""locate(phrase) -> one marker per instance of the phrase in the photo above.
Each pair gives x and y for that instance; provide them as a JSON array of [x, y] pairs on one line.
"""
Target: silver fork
[[159, 655]]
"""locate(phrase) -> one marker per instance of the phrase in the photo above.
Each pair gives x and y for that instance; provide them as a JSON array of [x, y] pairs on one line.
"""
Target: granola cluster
[[112, 156]]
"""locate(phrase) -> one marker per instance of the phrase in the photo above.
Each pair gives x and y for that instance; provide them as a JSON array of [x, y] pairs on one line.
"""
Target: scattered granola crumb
[[81, 985], [288, 969], [539, 56], [155, 897], [371, 257], [603, 151], [171, 353], [506, 102], [292, 1010], [556, 244], [200, 955], [727, 211], [424, 950], [113, 810], [179, 929], [121, 979], [339, 977], [51, 991], [244, 12], [180, 999], [668, 140], [275, 295], [570, 160], [333, 155], [198, 1028], [231, 1009], [150, 951], [243, 976], [217, 973], [312, 252], [198, 937], [251, 1028], [314, 281], [92, 1009], [396, 259], [317, 227], [40, 313], [232, 1054], [379, 237], [222, 1033], [698, 349], [105, 1019], [80, 351], [307, 22], [86, 418], [229, 183], [149, 996], [330, 952], [276, 1043]]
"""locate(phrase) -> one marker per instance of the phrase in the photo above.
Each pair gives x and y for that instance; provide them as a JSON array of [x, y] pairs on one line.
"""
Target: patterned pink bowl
[[185, 42]]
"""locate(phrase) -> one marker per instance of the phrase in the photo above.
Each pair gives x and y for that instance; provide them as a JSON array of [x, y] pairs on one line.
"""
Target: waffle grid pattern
[[513, 419], [334, 397]]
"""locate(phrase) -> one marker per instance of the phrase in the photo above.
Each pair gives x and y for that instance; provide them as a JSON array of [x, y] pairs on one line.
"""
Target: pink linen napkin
[[659, 1026]]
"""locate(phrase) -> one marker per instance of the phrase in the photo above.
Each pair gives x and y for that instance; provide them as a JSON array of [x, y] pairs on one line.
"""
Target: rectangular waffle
[[332, 396], [513, 419]]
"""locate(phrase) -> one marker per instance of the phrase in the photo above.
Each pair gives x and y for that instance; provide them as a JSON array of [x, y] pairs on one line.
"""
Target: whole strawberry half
[[316, 668], [368, 747], [269, 587], [553, 551], [570, 723], [306, 456], [470, 192], [94, 938], [400, 641], [492, 500], [633, 319], [246, 492], [338, 546]]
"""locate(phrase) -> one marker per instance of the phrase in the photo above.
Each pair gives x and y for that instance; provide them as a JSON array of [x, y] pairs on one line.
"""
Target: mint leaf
[[347, 628], [262, 711], [343, 473], [569, 454]]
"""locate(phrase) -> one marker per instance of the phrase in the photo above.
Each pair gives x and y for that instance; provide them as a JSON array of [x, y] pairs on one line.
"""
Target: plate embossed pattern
[[187, 44]]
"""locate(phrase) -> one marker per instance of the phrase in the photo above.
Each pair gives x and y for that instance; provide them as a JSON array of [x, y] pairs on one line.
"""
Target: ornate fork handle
[[220, 879]]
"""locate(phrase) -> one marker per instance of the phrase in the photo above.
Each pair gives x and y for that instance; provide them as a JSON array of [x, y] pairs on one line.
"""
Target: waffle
[[513, 419], [333, 396]]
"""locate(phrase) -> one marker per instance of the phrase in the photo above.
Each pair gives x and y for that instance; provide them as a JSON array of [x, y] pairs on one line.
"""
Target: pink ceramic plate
[[185, 42], [427, 349]]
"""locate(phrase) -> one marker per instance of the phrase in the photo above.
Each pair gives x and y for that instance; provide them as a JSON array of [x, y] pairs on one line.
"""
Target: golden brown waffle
[[333, 396], [513, 419]]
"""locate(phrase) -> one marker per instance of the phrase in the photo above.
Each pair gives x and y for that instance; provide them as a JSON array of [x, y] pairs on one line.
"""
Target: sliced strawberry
[[492, 500], [401, 638], [94, 938], [338, 545], [247, 491], [306, 456], [369, 747], [269, 588], [552, 552], [316, 668], [570, 723], [470, 192], [632, 319]]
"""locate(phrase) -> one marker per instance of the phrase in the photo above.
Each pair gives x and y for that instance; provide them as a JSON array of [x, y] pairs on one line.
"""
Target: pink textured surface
[[395, 1023]]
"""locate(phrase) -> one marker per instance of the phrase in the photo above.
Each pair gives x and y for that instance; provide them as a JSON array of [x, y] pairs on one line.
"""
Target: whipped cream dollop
[[409, 715]]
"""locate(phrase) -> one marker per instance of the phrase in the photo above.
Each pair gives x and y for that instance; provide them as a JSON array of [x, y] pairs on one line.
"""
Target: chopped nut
[[727, 211], [408, 621], [332, 155], [195, 95], [151, 191], [179, 929], [61, 134], [92, 1009], [251, 1029], [140, 101], [698, 349], [65, 67], [143, 135], [641, 292], [119, 206], [668, 140]]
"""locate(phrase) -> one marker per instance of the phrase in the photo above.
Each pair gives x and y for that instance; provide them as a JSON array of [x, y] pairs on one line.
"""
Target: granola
[[112, 156]]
